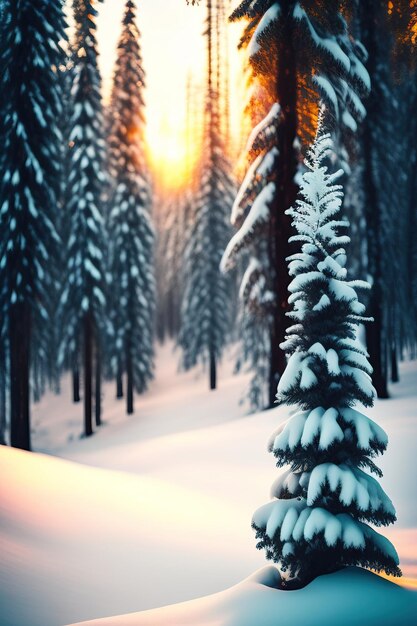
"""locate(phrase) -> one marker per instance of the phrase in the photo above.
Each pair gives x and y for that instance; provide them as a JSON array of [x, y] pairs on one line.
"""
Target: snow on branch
[[266, 22], [329, 45], [257, 216], [317, 521], [257, 138]]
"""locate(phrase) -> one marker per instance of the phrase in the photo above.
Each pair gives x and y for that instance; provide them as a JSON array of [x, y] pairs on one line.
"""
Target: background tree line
[[77, 263], [77, 280]]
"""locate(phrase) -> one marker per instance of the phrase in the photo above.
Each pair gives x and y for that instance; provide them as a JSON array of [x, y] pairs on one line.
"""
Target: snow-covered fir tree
[[253, 356], [299, 53], [131, 247], [206, 308], [82, 304], [67, 79], [31, 108], [318, 519]]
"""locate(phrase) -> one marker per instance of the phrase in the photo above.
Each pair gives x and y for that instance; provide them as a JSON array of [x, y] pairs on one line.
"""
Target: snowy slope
[[201, 440], [176, 402], [351, 597], [81, 542], [164, 516]]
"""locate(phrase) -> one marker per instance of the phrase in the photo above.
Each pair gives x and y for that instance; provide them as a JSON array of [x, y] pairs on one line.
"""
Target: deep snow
[[162, 514], [352, 597]]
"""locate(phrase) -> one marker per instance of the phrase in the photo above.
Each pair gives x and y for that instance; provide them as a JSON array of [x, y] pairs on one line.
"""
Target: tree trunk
[[19, 347], [98, 388], [129, 375], [213, 371], [37, 382], [88, 374], [75, 384], [375, 346], [3, 400], [119, 383], [394, 364], [285, 196], [375, 338]]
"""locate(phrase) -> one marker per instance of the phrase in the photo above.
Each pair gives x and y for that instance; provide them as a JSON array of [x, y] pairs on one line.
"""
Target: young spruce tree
[[29, 177], [318, 520], [83, 300], [133, 283]]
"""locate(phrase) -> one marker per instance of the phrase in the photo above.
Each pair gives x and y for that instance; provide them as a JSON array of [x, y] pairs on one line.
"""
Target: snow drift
[[157, 508], [348, 598]]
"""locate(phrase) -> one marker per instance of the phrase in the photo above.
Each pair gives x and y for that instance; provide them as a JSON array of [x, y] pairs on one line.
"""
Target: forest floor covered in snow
[[155, 509]]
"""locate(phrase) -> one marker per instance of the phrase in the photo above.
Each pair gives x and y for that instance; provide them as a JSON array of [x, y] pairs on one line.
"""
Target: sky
[[173, 49]]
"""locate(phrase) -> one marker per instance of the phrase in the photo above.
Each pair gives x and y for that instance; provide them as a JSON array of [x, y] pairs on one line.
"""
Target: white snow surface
[[349, 597], [156, 508]]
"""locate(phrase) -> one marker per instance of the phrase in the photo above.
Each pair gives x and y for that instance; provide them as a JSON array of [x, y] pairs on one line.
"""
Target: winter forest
[[208, 252]]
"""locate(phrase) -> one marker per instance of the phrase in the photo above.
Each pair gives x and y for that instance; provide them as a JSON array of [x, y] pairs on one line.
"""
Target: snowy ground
[[162, 514], [352, 597]]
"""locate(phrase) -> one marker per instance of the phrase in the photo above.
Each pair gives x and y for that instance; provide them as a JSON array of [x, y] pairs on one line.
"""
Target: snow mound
[[346, 598]]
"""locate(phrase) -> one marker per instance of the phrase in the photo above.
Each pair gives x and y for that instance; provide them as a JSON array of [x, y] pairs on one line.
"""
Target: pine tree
[[82, 303], [205, 321], [386, 151], [31, 110], [317, 522], [133, 284], [299, 53], [410, 230], [254, 352], [173, 246], [222, 69], [67, 76]]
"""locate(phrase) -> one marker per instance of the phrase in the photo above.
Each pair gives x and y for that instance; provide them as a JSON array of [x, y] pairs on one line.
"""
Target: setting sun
[[171, 154], [173, 144]]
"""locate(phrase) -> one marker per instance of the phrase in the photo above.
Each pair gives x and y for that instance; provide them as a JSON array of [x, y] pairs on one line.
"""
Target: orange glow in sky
[[173, 49]]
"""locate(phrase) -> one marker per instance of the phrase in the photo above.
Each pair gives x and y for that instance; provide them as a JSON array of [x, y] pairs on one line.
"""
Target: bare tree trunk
[[88, 374], [119, 383], [285, 196], [213, 95], [19, 346], [375, 339], [213, 371], [75, 384], [376, 345], [98, 388], [394, 364], [3, 399], [129, 375]]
